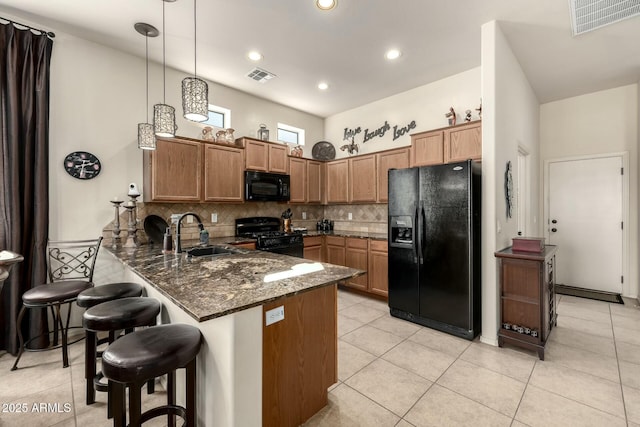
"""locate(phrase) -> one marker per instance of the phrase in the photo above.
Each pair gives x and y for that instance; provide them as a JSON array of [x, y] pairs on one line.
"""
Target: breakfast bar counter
[[255, 331]]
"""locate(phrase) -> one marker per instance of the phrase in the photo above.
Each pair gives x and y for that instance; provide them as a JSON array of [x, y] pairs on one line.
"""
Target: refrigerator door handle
[[416, 232], [423, 232]]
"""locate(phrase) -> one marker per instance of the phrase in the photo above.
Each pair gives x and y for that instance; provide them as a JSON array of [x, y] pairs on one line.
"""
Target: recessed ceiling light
[[323, 86], [392, 54], [326, 4], [254, 55]]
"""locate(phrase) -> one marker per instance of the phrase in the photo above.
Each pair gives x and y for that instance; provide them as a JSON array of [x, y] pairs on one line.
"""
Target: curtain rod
[[47, 33]]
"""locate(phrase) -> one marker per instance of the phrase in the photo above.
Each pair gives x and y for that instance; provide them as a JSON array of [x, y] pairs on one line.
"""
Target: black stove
[[269, 237]]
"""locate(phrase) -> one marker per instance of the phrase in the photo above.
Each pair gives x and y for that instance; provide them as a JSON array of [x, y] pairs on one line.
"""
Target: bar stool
[[70, 268], [135, 358], [120, 314]]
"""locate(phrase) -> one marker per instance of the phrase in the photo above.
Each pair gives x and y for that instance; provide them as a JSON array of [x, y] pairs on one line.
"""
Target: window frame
[[226, 116], [288, 128]]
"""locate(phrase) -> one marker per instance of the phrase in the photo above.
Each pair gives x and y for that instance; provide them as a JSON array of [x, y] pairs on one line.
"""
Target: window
[[218, 116], [290, 134]]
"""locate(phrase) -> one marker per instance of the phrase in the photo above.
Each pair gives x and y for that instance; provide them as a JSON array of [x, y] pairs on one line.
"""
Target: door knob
[[553, 221], [554, 230], [519, 233]]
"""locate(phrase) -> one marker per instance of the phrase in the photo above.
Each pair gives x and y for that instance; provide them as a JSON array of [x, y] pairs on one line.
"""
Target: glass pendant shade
[[164, 120], [195, 99], [146, 137]]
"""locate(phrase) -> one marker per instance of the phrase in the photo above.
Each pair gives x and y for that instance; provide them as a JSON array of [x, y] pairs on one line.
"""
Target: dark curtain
[[24, 173]]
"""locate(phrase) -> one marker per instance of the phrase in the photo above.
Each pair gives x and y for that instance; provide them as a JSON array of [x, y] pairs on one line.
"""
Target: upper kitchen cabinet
[[392, 159], [427, 148], [173, 171], [338, 181], [362, 179], [298, 172], [314, 181], [447, 145], [463, 142], [265, 156], [223, 173]]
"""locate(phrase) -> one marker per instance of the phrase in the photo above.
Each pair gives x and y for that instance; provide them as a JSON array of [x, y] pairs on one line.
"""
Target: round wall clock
[[82, 165]]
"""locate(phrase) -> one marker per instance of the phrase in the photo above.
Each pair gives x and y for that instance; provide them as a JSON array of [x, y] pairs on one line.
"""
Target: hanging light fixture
[[146, 137], [195, 91], [164, 116]]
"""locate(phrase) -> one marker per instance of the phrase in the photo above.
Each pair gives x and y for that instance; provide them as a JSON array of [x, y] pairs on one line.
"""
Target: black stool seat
[[150, 353], [57, 291], [123, 313], [99, 294]]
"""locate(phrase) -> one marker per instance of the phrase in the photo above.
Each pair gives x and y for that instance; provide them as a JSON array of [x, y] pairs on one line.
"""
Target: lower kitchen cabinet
[[378, 270], [313, 248], [527, 298], [335, 250], [356, 257]]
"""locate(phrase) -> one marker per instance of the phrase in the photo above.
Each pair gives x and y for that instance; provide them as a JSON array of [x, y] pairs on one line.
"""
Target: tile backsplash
[[371, 218]]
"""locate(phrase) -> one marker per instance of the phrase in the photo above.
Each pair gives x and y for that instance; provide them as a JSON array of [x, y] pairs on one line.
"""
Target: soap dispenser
[[167, 244]]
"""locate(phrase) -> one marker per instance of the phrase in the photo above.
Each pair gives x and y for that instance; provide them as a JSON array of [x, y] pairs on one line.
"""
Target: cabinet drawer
[[378, 245], [354, 242], [335, 240], [312, 241]]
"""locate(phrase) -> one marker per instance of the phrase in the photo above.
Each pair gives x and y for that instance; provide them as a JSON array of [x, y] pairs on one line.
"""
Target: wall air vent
[[588, 15], [260, 75]]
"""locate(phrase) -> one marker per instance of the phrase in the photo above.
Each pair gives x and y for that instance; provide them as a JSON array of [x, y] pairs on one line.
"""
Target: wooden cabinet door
[[356, 257], [462, 143], [427, 148], [395, 159], [378, 271], [335, 250], [256, 155], [176, 170], [362, 179], [298, 172], [313, 253], [338, 181], [314, 181], [278, 158], [223, 174]]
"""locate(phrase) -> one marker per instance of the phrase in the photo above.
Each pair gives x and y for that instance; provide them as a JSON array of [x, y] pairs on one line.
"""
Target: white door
[[522, 192], [585, 221]]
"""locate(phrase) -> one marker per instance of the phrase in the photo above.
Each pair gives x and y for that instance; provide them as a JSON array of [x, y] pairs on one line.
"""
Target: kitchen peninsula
[[249, 373]]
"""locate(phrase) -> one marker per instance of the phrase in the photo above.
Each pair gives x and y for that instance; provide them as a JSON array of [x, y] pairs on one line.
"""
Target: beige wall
[[598, 123], [97, 100], [510, 120]]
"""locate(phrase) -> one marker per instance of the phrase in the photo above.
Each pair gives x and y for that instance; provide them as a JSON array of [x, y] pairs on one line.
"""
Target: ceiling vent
[[588, 15], [260, 75]]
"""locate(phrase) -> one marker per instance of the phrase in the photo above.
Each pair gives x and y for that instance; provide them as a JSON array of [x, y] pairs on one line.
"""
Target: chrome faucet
[[200, 226]]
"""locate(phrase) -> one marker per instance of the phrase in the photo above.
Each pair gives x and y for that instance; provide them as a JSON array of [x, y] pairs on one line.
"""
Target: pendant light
[[195, 91], [164, 116], [146, 137]]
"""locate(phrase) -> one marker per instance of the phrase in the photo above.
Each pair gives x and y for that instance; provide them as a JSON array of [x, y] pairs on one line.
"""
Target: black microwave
[[263, 186]]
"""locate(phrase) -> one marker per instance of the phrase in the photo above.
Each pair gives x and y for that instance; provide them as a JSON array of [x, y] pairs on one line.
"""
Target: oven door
[[261, 186]]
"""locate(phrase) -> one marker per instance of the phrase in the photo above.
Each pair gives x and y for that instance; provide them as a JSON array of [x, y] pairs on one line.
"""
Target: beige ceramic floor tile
[[505, 361], [346, 325], [584, 388], [389, 385], [396, 326], [69, 422], [627, 322], [351, 359], [442, 407], [424, 361], [377, 304], [440, 341], [43, 408], [362, 313], [584, 312], [29, 379], [587, 326], [630, 374], [583, 361], [497, 391], [584, 341], [541, 408], [348, 408], [517, 423], [630, 336], [632, 403], [584, 302], [403, 423], [627, 310], [371, 339], [346, 299], [628, 352]]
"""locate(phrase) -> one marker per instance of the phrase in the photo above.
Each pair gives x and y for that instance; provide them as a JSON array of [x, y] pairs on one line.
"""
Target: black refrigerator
[[434, 246]]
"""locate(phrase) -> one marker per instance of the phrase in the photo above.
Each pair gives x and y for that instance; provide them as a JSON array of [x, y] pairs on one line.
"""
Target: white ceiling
[[345, 46]]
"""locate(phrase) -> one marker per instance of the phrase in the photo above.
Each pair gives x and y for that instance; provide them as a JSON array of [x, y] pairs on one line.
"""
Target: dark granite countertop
[[210, 287], [345, 233]]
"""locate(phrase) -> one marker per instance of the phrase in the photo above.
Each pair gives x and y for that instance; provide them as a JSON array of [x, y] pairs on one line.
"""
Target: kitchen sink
[[210, 251]]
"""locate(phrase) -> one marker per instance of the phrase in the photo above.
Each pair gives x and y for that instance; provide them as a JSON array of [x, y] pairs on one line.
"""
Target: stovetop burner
[[266, 231]]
